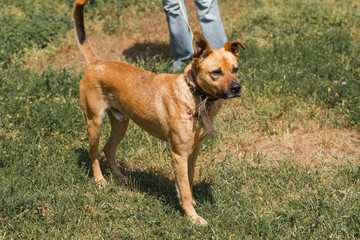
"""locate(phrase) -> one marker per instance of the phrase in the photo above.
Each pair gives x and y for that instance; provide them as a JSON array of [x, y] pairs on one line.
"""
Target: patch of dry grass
[[308, 134]]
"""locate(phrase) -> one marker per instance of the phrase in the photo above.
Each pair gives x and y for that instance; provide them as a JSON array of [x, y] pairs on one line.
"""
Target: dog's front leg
[[180, 163], [191, 168]]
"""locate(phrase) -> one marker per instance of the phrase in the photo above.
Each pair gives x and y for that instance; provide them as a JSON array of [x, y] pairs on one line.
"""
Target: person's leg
[[210, 22], [181, 42]]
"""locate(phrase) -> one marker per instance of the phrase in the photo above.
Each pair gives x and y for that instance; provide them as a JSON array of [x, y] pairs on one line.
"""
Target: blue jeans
[[210, 23]]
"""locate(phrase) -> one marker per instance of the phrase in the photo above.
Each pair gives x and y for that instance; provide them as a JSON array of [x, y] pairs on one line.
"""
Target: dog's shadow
[[147, 50], [84, 160], [155, 183], [151, 181]]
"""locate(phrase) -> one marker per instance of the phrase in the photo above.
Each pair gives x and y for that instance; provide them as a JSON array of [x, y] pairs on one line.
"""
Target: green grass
[[295, 51], [25, 25]]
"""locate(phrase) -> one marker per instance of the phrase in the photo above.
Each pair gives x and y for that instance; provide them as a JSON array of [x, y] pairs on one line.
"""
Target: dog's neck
[[201, 99], [196, 89]]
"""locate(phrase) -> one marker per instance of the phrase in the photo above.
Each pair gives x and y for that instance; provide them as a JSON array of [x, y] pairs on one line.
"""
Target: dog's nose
[[235, 88]]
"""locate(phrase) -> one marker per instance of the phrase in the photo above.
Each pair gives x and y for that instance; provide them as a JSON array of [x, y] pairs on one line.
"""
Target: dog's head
[[216, 70]]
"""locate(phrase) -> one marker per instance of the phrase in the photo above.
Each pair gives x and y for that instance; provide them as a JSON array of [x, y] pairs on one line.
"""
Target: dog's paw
[[122, 179], [101, 183], [199, 221]]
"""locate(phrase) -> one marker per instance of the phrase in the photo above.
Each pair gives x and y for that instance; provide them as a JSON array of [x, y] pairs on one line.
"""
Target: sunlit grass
[[284, 163]]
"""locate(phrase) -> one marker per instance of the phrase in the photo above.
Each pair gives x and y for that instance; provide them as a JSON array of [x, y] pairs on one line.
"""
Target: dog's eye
[[216, 73], [235, 70]]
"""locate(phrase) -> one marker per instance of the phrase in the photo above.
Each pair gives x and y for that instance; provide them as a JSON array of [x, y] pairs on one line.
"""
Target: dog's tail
[[84, 44]]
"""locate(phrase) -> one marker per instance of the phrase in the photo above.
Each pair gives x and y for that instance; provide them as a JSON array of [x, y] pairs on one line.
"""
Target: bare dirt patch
[[310, 147], [307, 146]]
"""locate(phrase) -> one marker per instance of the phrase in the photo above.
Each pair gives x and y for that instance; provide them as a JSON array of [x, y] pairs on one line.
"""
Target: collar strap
[[201, 105], [205, 117]]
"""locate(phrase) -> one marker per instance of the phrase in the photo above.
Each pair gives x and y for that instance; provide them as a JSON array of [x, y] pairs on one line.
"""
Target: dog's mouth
[[227, 95], [233, 92]]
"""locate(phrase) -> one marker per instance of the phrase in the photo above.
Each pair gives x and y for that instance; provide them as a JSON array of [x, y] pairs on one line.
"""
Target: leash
[[201, 99], [183, 12]]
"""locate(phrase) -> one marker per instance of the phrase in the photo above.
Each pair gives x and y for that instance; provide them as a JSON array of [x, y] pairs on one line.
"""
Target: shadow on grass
[[159, 185], [84, 160], [153, 182], [147, 49]]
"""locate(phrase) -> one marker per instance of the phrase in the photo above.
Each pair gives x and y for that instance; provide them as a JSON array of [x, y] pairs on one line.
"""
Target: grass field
[[285, 162]]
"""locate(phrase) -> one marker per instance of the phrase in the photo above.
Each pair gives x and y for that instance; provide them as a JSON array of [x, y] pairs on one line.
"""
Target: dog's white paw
[[199, 221], [101, 183]]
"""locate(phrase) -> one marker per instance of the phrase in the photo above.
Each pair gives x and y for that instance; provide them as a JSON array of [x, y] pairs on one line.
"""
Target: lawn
[[285, 160]]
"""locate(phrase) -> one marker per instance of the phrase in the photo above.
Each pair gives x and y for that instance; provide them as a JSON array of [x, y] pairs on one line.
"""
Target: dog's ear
[[233, 47], [201, 46]]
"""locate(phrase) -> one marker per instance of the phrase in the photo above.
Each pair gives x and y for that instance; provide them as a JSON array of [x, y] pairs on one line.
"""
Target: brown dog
[[175, 108]]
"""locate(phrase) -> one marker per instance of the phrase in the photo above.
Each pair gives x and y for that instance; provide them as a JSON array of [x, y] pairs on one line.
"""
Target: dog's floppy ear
[[233, 47], [201, 46]]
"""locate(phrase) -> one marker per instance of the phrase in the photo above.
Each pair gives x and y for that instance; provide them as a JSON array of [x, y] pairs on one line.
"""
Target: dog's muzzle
[[233, 91]]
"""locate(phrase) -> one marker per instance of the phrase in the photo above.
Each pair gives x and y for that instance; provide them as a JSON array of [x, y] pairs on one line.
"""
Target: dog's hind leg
[[93, 126], [119, 124]]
